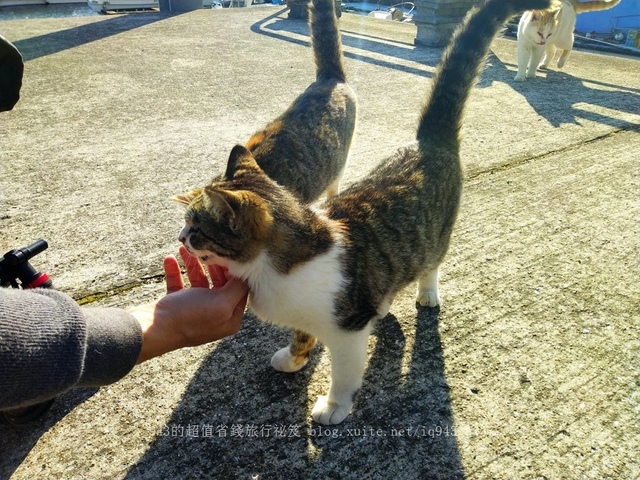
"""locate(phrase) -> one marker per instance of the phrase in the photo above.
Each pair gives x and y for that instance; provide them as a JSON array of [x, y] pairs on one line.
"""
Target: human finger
[[218, 276], [234, 291], [195, 271], [241, 306], [173, 274]]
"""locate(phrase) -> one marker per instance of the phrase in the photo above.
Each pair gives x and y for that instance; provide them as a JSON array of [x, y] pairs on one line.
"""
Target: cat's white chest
[[303, 298]]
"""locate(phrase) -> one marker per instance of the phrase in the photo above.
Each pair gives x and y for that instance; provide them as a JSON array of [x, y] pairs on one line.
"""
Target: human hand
[[195, 273], [187, 317]]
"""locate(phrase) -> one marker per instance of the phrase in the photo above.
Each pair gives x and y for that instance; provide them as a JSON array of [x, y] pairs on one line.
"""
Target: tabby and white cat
[[540, 32], [331, 272], [306, 148]]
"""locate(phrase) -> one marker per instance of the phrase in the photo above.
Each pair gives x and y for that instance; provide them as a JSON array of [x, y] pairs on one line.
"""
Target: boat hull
[[110, 5], [18, 3]]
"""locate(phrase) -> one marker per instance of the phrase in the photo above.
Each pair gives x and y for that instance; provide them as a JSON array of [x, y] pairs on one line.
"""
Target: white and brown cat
[[330, 272], [541, 32]]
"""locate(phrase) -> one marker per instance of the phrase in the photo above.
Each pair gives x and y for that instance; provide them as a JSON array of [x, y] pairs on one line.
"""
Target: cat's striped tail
[[460, 67], [326, 41]]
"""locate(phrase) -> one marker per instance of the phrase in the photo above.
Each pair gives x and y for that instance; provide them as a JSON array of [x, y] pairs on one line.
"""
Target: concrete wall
[[436, 20]]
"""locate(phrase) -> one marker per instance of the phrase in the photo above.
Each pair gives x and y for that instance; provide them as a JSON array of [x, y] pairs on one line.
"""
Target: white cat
[[534, 31], [540, 32]]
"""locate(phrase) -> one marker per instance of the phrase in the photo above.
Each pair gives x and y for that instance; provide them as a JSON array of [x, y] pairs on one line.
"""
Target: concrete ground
[[529, 369]]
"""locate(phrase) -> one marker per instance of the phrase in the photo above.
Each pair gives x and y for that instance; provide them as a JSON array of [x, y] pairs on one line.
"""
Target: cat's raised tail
[[593, 5], [460, 67], [326, 40]]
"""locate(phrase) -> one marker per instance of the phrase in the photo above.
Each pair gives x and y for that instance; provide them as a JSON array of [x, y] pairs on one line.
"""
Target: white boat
[[110, 5], [401, 12]]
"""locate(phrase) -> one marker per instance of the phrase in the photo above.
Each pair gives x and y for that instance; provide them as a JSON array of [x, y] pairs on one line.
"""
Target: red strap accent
[[39, 281]]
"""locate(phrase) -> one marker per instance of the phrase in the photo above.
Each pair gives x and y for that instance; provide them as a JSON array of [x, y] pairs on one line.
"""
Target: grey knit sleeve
[[48, 344]]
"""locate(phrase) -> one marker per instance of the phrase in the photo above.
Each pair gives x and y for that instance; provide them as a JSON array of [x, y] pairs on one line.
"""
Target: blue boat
[[622, 17]]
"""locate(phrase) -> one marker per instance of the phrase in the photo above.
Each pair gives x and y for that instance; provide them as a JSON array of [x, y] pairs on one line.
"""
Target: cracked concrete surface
[[529, 369]]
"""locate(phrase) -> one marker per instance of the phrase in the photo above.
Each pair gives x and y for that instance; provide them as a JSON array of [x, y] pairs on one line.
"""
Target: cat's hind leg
[[334, 188], [428, 295], [563, 58], [296, 355], [348, 359]]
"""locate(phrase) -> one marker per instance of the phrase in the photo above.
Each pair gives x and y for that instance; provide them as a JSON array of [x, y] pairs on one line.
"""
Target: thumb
[[234, 290]]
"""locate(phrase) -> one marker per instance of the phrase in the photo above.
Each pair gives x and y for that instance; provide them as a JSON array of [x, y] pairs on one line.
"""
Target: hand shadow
[[252, 420]]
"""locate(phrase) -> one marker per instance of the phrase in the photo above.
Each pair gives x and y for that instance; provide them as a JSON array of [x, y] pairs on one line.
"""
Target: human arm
[[48, 344], [187, 317]]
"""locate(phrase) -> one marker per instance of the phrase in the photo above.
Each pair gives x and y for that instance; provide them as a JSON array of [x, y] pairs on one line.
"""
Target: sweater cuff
[[114, 342]]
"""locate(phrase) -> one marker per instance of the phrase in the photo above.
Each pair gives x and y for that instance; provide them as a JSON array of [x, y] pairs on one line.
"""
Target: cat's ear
[[243, 210], [186, 198], [239, 158], [221, 204]]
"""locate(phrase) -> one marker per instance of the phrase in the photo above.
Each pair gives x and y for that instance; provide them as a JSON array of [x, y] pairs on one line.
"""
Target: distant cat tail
[[461, 64], [593, 5], [327, 44], [554, 7]]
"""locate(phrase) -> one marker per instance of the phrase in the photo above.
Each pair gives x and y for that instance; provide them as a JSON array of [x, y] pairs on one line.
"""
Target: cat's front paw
[[284, 361], [329, 413], [519, 78], [428, 297]]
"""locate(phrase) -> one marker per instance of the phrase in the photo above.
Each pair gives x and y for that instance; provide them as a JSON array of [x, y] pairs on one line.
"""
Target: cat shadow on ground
[[561, 98], [403, 409], [278, 27], [254, 421]]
